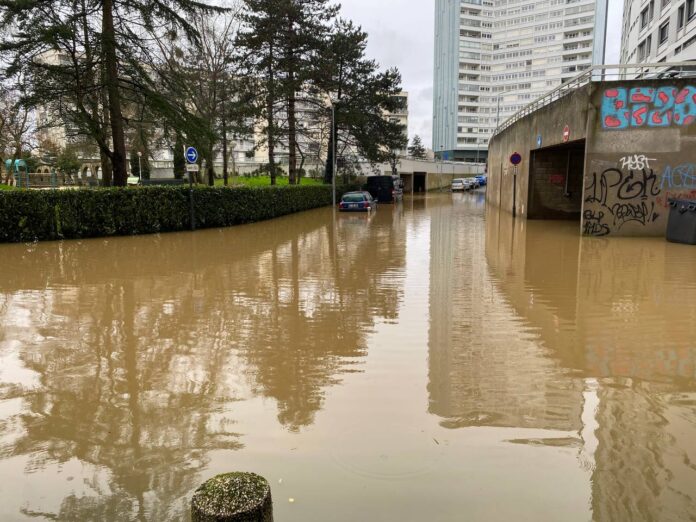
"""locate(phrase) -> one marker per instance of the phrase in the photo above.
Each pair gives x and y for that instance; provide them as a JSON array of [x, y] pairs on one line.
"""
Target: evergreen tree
[[361, 96], [258, 45], [417, 150]]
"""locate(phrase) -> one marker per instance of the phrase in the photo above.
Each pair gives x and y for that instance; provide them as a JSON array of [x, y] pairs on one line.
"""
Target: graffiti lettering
[[636, 162], [645, 106], [679, 177], [593, 224], [642, 213], [621, 197], [629, 185]]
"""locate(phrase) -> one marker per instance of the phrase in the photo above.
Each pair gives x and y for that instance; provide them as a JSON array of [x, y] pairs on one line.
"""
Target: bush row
[[31, 215]]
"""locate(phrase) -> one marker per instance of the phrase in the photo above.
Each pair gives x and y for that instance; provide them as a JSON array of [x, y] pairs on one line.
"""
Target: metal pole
[[497, 116], [140, 167], [333, 159], [514, 193]]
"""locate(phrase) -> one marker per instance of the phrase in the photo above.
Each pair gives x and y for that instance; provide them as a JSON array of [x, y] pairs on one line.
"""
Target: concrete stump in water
[[233, 497]]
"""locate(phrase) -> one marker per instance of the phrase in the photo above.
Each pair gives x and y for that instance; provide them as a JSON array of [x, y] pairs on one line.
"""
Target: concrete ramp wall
[[640, 151]]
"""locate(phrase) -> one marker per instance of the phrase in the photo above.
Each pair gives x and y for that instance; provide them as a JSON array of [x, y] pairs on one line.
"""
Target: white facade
[[658, 30], [493, 57]]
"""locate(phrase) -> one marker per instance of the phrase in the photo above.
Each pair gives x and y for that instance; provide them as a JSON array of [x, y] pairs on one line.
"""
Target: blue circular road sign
[[191, 155], [516, 158]]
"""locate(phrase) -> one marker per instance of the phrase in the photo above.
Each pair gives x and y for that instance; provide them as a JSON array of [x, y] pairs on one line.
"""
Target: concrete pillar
[[233, 497]]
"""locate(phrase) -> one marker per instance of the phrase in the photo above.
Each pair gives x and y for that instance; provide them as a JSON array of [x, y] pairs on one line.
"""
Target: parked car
[[458, 185], [482, 180], [357, 202], [385, 189]]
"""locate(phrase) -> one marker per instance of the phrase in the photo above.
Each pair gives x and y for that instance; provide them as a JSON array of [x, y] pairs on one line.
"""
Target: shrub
[[70, 214]]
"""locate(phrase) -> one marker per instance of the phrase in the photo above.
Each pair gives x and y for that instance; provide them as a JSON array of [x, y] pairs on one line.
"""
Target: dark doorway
[[556, 182], [419, 181]]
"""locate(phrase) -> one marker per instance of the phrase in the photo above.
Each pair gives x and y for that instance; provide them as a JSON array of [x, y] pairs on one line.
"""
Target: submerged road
[[429, 362]]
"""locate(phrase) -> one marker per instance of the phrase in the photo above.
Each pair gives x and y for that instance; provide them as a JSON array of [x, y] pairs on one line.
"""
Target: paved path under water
[[427, 363]]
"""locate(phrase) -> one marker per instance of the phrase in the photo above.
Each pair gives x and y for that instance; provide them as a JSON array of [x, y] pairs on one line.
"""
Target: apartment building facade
[[493, 57], [658, 31]]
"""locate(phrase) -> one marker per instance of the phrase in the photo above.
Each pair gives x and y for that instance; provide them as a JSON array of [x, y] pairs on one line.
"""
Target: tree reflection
[[143, 346]]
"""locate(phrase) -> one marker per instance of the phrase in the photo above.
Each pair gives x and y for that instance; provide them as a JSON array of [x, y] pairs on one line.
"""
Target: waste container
[[681, 227]]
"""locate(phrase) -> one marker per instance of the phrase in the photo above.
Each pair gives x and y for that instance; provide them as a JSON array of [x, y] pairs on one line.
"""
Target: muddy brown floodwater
[[432, 362]]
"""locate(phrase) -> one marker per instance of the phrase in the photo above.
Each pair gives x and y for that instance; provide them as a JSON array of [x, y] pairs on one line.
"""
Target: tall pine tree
[[361, 96], [417, 150]]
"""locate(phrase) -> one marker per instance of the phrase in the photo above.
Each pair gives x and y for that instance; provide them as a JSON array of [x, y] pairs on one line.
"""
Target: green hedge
[[31, 215]]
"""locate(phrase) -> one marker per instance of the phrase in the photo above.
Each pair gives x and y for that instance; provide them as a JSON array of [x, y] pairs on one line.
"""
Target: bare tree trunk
[[269, 118], [224, 142], [292, 132], [211, 167], [118, 159]]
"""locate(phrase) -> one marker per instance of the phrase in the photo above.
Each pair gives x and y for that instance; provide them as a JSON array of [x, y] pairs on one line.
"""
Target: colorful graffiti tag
[[646, 106]]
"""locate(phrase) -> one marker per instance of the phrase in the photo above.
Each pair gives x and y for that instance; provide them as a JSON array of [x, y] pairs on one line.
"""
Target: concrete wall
[[640, 151], [545, 126]]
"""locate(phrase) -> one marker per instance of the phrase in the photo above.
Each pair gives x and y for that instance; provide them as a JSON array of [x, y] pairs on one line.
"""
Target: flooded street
[[432, 362]]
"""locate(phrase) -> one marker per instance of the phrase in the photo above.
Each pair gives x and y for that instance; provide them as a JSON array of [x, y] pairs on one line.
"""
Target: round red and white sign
[[566, 133]]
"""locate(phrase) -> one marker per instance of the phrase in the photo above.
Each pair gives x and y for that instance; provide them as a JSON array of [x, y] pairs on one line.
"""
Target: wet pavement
[[429, 362]]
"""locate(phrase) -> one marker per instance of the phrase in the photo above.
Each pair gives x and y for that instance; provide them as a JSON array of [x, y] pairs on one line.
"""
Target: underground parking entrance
[[556, 181]]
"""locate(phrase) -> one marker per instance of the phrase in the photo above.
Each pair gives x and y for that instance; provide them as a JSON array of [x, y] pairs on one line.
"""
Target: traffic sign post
[[515, 159], [566, 134], [191, 155]]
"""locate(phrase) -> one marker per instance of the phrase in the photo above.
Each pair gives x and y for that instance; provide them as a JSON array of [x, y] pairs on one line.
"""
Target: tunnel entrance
[[419, 181], [556, 182]]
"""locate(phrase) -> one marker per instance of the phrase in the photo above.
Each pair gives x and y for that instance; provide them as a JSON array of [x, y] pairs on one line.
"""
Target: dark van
[[385, 189]]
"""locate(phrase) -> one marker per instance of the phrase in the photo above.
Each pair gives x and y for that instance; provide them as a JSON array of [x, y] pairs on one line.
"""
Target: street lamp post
[[140, 166], [497, 117], [333, 153]]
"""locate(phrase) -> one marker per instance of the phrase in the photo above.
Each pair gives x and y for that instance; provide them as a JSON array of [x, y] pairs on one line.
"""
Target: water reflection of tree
[[146, 343]]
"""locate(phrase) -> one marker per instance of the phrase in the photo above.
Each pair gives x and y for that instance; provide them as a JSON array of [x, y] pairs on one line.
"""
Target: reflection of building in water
[[646, 452], [485, 366], [137, 366], [621, 311]]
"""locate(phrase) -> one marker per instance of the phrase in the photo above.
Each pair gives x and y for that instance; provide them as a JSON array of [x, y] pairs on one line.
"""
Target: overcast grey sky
[[401, 34]]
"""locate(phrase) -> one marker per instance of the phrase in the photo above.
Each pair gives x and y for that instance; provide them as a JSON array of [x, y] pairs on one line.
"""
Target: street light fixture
[[497, 117]]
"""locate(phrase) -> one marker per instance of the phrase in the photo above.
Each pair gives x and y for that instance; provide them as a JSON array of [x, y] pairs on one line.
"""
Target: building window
[[690, 9], [680, 18], [644, 49], [664, 33]]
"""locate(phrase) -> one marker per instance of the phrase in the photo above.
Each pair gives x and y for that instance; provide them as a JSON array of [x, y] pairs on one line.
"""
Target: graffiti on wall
[[648, 107], [634, 189], [620, 196]]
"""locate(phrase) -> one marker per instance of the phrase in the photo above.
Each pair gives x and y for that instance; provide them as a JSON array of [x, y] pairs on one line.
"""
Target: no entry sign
[[516, 158], [566, 133]]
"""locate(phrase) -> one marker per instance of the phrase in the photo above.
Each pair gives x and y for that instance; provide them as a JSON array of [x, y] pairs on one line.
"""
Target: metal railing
[[603, 73]]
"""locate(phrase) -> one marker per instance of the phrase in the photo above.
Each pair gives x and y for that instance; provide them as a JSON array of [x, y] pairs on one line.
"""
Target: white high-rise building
[[492, 57], [658, 30]]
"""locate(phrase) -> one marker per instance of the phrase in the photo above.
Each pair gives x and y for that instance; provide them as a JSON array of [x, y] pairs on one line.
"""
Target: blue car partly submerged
[[357, 202]]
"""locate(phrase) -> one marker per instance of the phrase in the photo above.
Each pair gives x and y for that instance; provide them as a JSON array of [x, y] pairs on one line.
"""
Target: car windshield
[[353, 198], [458, 181]]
